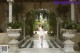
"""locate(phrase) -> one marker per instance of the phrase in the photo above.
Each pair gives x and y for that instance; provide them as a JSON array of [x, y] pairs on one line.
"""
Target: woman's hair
[[41, 26]]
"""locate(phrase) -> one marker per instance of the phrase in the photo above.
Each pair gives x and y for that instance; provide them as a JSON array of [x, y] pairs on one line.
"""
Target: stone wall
[[76, 39], [37, 5], [4, 39]]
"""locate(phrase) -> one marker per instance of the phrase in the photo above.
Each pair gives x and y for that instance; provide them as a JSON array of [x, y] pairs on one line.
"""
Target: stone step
[[55, 44], [60, 43], [30, 45], [50, 44], [40, 50], [21, 42], [36, 44], [25, 44]]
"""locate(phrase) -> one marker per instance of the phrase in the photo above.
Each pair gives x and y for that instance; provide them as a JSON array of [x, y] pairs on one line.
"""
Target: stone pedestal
[[68, 47], [13, 34], [69, 44]]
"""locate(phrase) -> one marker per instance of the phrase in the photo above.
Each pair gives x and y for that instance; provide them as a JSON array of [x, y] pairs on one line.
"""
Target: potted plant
[[14, 32], [70, 29], [14, 25]]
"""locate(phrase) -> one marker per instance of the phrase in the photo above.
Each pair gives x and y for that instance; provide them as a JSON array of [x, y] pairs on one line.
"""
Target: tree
[[52, 23], [30, 20]]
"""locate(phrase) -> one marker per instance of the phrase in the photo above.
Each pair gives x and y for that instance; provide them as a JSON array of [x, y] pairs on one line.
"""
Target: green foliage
[[29, 23], [15, 25], [36, 25], [69, 25], [46, 25], [27, 29], [52, 23], [78, 28]]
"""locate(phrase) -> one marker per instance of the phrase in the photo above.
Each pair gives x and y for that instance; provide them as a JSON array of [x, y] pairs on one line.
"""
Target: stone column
[[57, 30], [72, 11], [58, 21], [10, 10], [24, 28]]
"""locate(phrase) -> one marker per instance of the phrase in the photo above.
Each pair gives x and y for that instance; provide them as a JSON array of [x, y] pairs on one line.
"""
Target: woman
[[41, 34]]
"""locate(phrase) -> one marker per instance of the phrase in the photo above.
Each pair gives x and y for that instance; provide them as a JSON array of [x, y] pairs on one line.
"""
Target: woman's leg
[[41, 40]]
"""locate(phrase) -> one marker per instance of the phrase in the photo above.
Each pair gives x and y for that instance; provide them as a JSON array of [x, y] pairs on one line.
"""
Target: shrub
[[15, 25], [70, 25]]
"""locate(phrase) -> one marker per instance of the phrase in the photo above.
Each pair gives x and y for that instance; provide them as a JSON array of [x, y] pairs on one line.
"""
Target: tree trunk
[[31, 31]]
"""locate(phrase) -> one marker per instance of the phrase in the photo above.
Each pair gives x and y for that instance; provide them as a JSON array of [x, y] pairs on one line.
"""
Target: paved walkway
[[47, 37], [42, 50], [38, 45], [38, 48]]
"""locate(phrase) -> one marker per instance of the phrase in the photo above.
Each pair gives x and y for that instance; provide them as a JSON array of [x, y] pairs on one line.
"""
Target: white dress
[[41, 32]]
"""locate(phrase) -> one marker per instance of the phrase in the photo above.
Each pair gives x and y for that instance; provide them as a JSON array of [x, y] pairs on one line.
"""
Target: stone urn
[[69, 33], [69, 44], [13, 34]]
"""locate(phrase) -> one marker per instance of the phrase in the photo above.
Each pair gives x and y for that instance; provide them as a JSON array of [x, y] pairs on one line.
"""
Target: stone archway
[[35, 15]]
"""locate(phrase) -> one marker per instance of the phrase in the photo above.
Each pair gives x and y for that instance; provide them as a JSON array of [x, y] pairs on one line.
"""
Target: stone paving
[[38, 49], [38, 45]]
